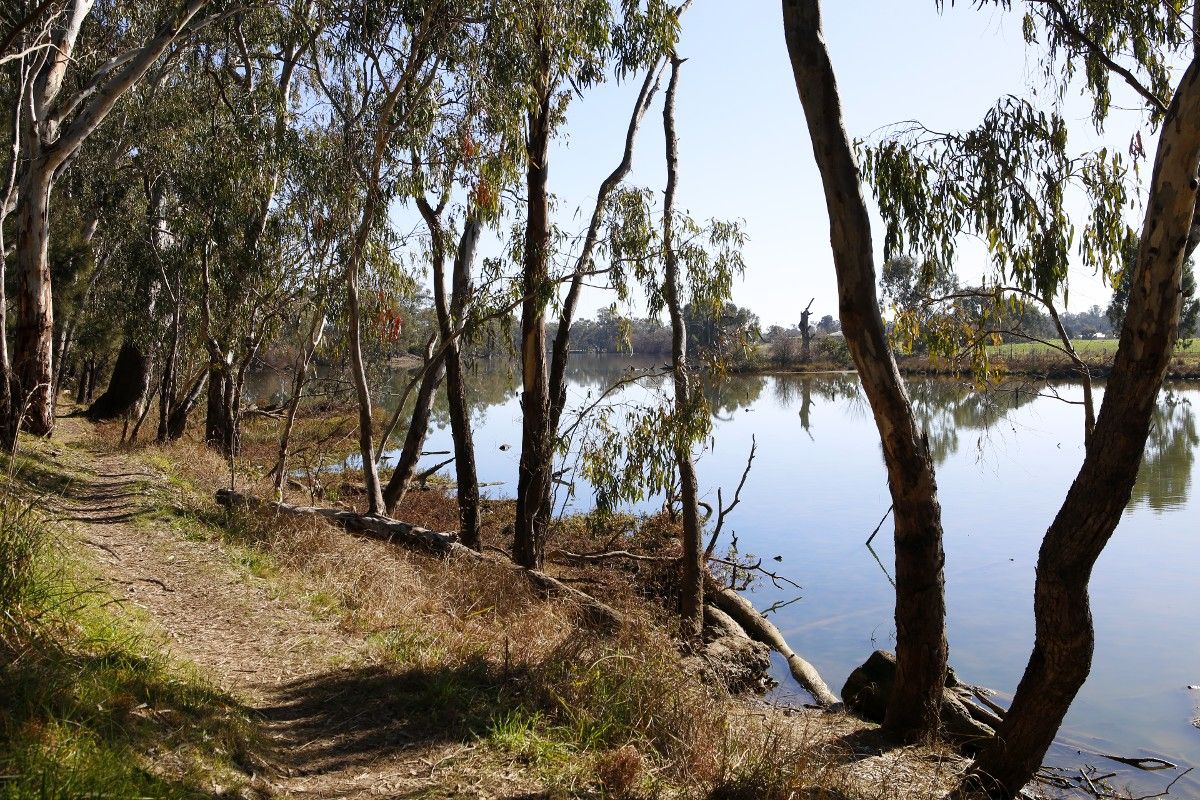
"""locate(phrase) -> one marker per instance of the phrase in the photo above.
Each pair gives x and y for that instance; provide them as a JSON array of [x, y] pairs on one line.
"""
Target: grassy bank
[[1033, 359], [459, 670], [90, 708]]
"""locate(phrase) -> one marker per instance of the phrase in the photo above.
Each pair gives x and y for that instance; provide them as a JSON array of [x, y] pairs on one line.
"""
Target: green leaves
[[1007, 181]]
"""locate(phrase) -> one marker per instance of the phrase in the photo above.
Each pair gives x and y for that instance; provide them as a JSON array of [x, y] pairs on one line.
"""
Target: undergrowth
[[466, 653], [88, 709]]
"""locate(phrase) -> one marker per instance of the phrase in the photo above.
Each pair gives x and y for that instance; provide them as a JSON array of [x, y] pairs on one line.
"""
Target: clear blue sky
[[744, 149]]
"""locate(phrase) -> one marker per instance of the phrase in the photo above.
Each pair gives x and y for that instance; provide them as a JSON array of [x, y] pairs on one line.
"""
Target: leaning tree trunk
[[470, 524], [691, 592], [537, 439], [921, 648], [418, 428], [178, 419], [358, 370], [1062, 651], [170, 376], [316, 332]]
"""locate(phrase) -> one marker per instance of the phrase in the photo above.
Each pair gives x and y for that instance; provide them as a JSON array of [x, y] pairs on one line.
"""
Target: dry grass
[[469, 655]]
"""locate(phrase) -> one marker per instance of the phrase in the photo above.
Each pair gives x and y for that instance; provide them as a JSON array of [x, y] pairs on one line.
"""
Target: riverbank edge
[[1002, 370], [775, 749]]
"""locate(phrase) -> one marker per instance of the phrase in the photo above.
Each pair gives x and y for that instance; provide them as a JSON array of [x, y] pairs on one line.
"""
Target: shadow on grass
[[350, 717], [862, 744], [86, 719]]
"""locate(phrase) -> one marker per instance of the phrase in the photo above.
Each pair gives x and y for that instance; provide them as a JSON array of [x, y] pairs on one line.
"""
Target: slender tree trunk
[[691, 591], [1062, 651], [562, 339], [921, 648], [177, 422], [316, 332], [418, 427], [537, 440], [81, 383], [170, 377], [66, 335], [470, 525], [358, 370]]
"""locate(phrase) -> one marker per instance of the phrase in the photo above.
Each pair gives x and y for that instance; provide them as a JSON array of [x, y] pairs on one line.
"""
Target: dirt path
[[334, 722]]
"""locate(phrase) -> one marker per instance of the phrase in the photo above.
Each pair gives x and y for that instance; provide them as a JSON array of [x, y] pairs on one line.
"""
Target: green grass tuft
[[88, 708]]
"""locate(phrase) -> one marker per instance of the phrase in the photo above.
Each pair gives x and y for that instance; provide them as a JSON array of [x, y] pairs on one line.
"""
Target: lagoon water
[[1004, 462]]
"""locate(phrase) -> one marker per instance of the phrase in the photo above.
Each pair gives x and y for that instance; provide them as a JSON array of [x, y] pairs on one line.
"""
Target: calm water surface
[[1004, 463]]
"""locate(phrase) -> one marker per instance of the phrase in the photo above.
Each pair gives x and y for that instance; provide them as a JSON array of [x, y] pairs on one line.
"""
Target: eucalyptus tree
[[1029, 241], [921, 647], [74, 81], [249, 149], [550, 48], [674, 263], [468, 152], [692, 585], [1095, 35], [377, 70], [311, 215]]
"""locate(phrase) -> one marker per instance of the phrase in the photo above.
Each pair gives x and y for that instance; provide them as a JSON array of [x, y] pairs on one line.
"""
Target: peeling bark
[[921, 647]]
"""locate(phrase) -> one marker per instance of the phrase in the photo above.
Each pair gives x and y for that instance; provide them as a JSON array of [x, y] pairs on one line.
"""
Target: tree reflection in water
[[949, 411], [1166, 471]]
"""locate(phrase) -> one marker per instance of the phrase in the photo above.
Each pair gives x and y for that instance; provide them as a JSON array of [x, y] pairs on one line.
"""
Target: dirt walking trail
[[331, 721]]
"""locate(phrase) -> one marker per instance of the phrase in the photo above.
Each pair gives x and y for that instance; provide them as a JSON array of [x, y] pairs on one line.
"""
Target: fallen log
[[443, 545], [761, 629], [567, 555]]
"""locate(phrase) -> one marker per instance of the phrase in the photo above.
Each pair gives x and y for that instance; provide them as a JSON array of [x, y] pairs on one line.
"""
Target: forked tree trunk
[[921, 648], [358, 369], [470, 524], [583, 263], [181, 412], [1064, 638], [691, 590], [560, 353]]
